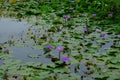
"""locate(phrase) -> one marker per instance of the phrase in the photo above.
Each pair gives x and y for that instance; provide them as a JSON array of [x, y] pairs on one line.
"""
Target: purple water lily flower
[[65, 58], [72, 0], [85, 30], [118, 36], [71, 9], [59, 48], [93, 14], [110, 15], [47, 49], [66, 17], [103, 34], [48, 46]]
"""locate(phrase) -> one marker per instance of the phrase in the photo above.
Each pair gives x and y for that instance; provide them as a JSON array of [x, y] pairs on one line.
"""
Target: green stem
[[59, 55]]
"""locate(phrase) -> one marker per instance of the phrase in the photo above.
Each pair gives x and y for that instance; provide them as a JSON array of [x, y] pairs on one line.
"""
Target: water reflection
[[22, 54], [11, 27], [1, 62], [105, 46]]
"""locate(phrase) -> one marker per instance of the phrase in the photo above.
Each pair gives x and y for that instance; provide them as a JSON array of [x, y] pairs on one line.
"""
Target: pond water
[[11, 27], [24, 53], [105, 46]]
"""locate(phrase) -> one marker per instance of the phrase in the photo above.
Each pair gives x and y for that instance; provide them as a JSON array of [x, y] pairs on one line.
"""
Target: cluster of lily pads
[[75, 52], [79, 44]]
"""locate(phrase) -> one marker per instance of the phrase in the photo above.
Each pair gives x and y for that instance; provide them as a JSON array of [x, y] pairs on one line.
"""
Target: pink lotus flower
[[59, 48]]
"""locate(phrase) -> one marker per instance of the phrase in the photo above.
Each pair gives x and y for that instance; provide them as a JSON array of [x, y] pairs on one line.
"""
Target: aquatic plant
[[71, 9], [65, 58], [77, 55], [110, 15], [103, 34], [66, 16], [85, 30], [60, 49], [48, 46], [118, 36], [47, 49], [72, 0], [94, 14]]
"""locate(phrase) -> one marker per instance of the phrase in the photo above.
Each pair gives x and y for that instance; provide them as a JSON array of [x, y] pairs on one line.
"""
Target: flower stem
[[59, 55]]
